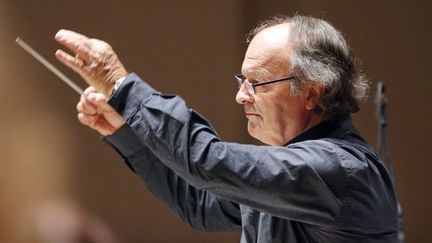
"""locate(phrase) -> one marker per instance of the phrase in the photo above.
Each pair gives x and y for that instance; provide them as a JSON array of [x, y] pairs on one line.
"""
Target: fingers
[[89, 90], [95, 112], [80, 45], [77, 43], [74, 63], [93, 59], [98, 123], [88, 120], [93, 102], [100, 101], [84, 105]]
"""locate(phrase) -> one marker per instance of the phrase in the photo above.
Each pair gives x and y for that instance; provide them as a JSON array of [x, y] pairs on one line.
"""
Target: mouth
[[251, 114]]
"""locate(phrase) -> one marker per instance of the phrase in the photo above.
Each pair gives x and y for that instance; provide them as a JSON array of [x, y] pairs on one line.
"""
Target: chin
[[258, 135], [253, 131], [266, 138]]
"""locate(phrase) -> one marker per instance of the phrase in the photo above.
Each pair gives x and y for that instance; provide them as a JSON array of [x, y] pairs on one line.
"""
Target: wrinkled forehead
[[268, 49]]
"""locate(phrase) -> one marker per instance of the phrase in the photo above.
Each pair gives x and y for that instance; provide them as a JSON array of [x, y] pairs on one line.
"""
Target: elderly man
[[317, 180]]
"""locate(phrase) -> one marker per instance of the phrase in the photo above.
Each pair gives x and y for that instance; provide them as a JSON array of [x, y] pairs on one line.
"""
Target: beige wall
[[191, 48]]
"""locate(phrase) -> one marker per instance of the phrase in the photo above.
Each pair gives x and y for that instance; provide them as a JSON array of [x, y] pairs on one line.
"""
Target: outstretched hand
[[94, 60], [95, 112]]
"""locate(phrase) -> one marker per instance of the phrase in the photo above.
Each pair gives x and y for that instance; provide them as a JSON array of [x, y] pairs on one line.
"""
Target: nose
[[243, 96]]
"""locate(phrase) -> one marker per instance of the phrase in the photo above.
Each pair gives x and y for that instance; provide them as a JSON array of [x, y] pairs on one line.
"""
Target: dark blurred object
[[383, 146]]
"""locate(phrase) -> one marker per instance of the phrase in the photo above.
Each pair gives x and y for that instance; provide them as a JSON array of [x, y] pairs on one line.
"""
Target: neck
[[312, 121]]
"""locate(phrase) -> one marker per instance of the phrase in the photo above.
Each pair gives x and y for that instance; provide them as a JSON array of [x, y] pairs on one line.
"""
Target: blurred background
[[56, 175]]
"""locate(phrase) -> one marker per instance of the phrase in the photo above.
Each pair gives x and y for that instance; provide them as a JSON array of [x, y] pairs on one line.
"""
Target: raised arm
[[196, 207], [281, 181]]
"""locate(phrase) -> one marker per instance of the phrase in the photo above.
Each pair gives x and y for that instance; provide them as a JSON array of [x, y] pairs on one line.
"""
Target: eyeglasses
[[241, 79]]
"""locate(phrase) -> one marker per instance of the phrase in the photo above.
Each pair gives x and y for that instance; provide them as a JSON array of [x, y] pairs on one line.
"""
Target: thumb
[[100, 101], [103, 108]]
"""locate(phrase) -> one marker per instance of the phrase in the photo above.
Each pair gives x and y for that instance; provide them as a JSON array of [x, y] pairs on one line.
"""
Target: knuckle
[[105, 45], [79, 106], [87, 91]]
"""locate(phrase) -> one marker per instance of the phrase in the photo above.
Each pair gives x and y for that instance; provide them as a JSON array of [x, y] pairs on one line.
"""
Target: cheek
[[276, 112], [281, 115]]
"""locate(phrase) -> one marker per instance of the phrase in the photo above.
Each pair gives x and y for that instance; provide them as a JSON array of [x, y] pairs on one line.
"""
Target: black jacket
[[326, 185]]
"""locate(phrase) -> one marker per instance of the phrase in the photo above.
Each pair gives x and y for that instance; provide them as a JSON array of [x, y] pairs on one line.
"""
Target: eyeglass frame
[[241, 79]]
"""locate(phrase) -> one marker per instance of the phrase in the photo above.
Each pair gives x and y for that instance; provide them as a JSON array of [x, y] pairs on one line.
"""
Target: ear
[[313, 94]]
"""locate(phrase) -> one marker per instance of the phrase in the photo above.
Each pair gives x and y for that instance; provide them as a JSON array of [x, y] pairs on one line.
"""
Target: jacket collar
[[327, 129]]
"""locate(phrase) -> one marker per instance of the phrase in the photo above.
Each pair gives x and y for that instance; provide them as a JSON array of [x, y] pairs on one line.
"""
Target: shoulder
[[328, 153], [336, 161]]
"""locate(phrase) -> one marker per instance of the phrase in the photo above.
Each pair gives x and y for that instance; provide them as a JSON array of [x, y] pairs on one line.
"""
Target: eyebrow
[[257, 75]]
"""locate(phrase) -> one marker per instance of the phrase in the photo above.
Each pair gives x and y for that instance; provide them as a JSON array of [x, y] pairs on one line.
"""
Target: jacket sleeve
[[196, 207], [281, 181]]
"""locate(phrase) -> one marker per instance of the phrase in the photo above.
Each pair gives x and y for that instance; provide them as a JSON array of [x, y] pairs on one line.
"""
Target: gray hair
[[321, 54]]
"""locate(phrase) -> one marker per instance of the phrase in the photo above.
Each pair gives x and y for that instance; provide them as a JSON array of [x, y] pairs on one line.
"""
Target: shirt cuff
[[117, 84], [130, 94]]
